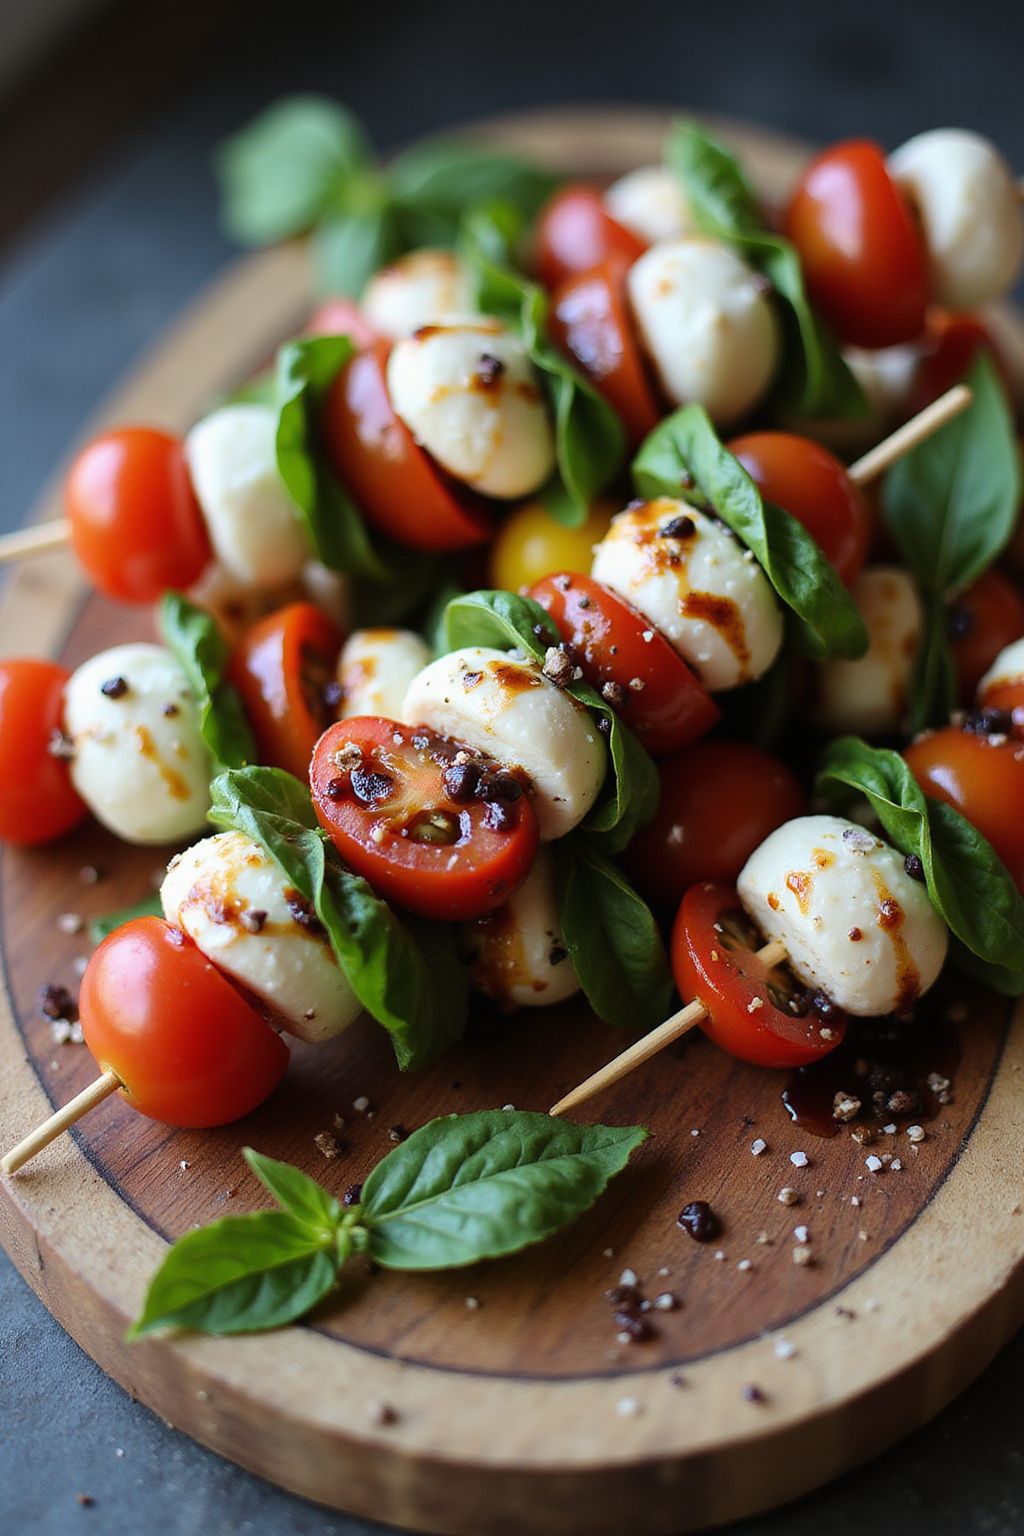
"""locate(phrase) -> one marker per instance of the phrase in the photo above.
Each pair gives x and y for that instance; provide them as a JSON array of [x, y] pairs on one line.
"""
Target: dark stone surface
[[91, 287]]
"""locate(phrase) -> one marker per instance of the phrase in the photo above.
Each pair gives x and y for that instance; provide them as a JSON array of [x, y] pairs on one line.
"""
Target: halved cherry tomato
[[983, 778], [807, 481], [632, 665], [750, 1008], [283, 668], [530, 543], [982, 621], [37, 798], [719, 801], [186, 1045], [445, 838], [395, 482], [135, 523], [949, 347], [861, 251], [590, 321], [575, 232], [341, 317]]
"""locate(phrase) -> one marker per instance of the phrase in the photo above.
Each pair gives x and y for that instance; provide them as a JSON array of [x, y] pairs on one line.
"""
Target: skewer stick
[[40, 539], [60, 1121], [640, 1051], [912, 432]]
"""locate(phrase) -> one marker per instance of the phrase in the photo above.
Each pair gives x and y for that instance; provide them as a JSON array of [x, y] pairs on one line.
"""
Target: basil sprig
[[951, 506], [968, 883], [684, 452], [461, 1189], [406, 974], [192, 635]]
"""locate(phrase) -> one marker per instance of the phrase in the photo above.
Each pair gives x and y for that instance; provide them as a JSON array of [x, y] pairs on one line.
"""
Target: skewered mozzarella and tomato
[[693, 581], [284, 668], [424, 287], [375, 669], [138, 762], [870, 696], [576, 231], [516, 954], [854, 923], [236, 906], [651, 203], [1002, 687]]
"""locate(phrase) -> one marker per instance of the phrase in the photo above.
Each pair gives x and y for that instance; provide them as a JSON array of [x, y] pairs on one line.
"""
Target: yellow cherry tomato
[[530, 545]]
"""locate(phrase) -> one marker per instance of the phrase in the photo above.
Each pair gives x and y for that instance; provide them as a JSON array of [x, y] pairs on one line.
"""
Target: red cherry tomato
[[714, 958], [807, 481], [341, 317], [719, 801], [186, 1045], [590, 322], [1007, 697], [395, 482], [951, 343], [861, 251], [283, 667], [37, 798], [980, 777], [670, 708], [575, 232], [135, 523], [445, 840], [982, 621]]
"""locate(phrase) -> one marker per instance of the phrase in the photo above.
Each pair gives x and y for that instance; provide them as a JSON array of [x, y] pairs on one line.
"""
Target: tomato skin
[[341, 317], [719, 801], [473, 871], [530, 544], [982, 621], [951, 344], [575, 232], [186, 1045], [607, 637], [811, 484], [981, 778], [136, 525], [38, 801], [391, 477], [590, 322], [862, 255], [276, 667]]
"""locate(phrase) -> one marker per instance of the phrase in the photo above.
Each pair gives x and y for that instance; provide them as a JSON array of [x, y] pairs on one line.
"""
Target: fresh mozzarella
[[139, 761], [507, 708], [375, 669], [651, 203], [887, 378], [516, 954], [854, 923], [1008, 668], [694, 582], [237, 907], [707, 323], [419, 289], [469, 394], [966, 198], [869, 696], [252, 523]]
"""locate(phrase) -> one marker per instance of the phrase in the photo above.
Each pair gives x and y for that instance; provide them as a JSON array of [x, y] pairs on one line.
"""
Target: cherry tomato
[[1008, 698], [37, 798], [862, 254], [982, 778], [575, 232], [719, 801], [530, 544], [951, 344], [341, 317], [617, 649], [590, 321], [445, 839], [135, 523], [395, 482], [807, 481], [982, 621], [186, 1045], [714, 958], [283, 667]]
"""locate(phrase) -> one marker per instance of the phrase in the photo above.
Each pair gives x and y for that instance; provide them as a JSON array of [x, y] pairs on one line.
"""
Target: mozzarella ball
[[651, 203], [966, 198], [707, 324], [329, 591], [1007, 669], [869, 696], [253, 525], [469, 394], [693, 581], [854, 923], [505, 707], [516, 954], [375, 669], [421, 288], [887, 378], [236, 905], [139, 761]]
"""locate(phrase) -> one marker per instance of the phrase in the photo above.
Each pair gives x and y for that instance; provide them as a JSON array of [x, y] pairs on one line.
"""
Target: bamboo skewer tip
[[60, 1121]]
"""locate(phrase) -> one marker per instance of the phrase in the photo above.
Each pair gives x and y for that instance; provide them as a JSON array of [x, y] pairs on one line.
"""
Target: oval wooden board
[[511, 1414]]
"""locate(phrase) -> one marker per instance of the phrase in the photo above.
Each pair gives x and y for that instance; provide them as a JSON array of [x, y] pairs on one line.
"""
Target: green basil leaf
[[685, 450], [933, 682], [298, 1194], [348, 248], [612, 938], [447, 177], [99, 927], [197, 644], [500, 619], [478, 1186]]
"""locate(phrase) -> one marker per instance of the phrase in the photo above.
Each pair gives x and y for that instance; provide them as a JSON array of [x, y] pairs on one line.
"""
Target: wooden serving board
[[516, 1411]]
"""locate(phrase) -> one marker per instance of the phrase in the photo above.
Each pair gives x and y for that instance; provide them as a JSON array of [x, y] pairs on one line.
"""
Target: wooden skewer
[[914, 431], [640, 1051], [60, 1121], [40, 539]]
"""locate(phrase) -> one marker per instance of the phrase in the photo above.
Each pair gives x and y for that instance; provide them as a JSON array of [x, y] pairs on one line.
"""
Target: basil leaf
[[933, 682], [348, 248], [685, 450], [301, 1196], [198, 646], [478, 1186], [447, 178], [500, 619], [612, 938], [99, 927]]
